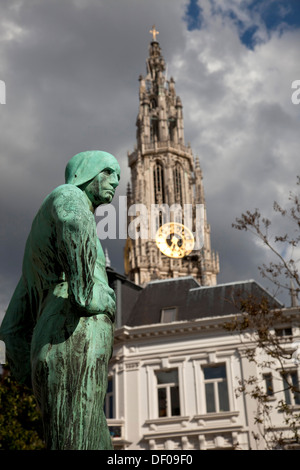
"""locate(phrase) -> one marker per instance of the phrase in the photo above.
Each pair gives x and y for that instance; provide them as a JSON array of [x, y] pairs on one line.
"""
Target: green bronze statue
[[58, 328]]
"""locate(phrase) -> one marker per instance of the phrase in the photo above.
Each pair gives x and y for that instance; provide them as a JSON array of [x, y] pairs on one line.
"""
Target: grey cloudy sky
[[71, 72]]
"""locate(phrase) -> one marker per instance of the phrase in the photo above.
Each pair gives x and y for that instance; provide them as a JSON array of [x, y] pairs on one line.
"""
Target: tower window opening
[[178, 184], [154, 130], [159, 191], [153, 103], [172, 129]]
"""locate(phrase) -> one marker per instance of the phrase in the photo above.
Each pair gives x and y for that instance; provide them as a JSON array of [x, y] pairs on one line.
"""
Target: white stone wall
[[187, 346], [183, 346]]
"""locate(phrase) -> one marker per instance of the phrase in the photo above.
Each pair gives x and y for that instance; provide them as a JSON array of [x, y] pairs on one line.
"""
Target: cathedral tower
[[165, 175]]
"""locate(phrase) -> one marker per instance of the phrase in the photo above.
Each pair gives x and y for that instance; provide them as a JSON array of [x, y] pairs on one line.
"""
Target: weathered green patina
[[58, 328]]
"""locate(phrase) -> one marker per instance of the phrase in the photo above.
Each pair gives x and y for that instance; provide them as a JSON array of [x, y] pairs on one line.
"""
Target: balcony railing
[[168, 145]]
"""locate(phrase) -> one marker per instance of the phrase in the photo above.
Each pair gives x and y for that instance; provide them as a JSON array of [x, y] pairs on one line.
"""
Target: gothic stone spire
[[163, 171]]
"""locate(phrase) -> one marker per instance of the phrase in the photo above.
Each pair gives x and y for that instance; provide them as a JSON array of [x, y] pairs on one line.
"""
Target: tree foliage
[[260, 325], [283, 271], [20, 422]]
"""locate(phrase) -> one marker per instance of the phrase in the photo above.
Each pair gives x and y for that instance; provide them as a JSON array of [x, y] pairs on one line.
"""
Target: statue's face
[[102, 188]]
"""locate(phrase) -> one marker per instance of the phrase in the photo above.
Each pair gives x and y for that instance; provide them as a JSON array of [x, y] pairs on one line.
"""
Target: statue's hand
[[103, 300]]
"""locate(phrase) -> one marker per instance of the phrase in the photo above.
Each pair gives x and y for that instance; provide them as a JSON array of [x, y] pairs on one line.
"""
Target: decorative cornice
[[216, 323], [167, 420], [126, 333], [192, 432]]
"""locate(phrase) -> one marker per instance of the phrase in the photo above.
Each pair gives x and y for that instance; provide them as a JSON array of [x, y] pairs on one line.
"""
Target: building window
[[115, 431], [291, 387], [283, 332], [109, 400], [172, 129], [153, 256], [168, 315], [216, 390], [268, 380], [168, 393], [159, 187], [178, 184], [154, 130], [153, 103]]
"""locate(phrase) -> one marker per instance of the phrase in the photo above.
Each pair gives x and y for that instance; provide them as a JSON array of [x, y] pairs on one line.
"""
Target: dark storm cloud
[[242, 124], [71, 70]]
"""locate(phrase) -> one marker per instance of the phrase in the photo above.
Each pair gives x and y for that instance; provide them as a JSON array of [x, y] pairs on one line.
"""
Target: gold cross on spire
[[154, 32]]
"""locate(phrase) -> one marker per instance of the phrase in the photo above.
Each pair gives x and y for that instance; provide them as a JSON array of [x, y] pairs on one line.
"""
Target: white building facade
[[174, 385]]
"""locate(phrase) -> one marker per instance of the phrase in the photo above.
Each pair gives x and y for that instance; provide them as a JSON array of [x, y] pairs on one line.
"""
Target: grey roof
[[224, 299], [192, 301], [158, 295], [126, 291]]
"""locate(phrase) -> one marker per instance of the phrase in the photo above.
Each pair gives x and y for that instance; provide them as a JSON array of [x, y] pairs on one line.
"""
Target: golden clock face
[[174, 240]]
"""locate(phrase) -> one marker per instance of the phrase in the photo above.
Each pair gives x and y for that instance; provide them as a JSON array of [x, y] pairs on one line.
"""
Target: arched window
[[159, 186], [153, 256], [153, 103], [159, 190], [172, 129], [154, 130], [178, 184]]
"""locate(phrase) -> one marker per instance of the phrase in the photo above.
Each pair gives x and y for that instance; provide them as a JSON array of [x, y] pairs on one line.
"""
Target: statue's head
[[96, 173]]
